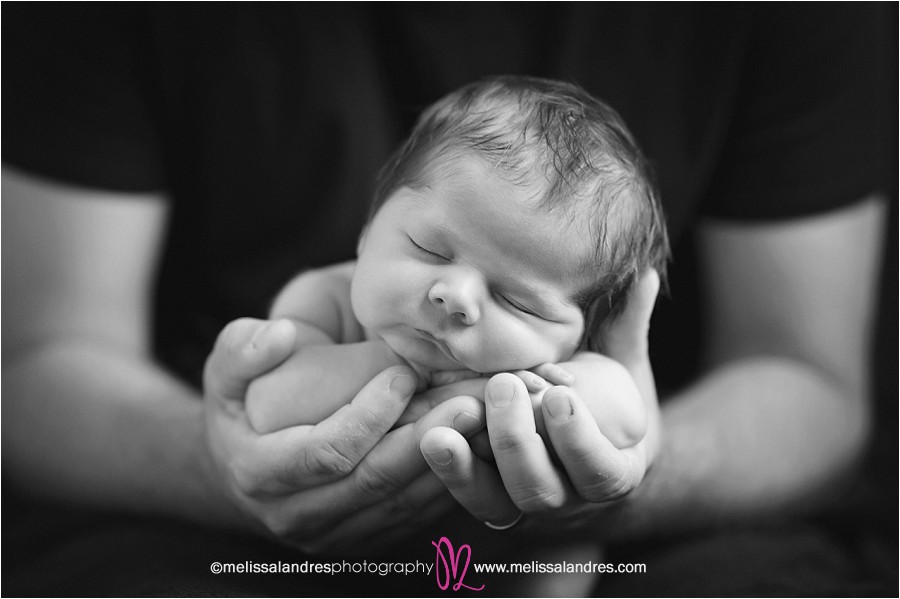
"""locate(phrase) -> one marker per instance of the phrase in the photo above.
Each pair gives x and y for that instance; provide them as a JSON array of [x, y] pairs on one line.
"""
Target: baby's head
[[509, 225]]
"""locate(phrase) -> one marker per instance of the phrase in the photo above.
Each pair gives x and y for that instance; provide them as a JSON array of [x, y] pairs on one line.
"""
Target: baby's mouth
[[439, 343]]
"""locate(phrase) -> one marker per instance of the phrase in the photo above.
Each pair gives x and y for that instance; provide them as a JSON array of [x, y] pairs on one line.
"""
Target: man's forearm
[[85, 424], [752, 439]]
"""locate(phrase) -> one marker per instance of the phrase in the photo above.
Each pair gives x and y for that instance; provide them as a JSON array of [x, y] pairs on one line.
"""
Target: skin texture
[[449, 277], [773, 421], [781, 415], [128, 435], [459, 275], [449, 281]]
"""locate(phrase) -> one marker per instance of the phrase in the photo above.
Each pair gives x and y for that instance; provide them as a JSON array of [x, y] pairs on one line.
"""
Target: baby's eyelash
[[429, 252], [518, 306]]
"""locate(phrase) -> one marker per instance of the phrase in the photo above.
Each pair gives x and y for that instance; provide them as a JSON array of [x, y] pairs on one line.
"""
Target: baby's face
[[467, 273]]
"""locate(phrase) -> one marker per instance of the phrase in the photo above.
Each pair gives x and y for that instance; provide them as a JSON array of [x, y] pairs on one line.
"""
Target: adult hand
[[346, 484], [526, 479], [474, 387], [424, 402]]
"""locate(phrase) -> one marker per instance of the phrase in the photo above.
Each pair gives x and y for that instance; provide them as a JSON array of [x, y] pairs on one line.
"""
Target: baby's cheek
[[359, 301], [370, 296], [510, 347]]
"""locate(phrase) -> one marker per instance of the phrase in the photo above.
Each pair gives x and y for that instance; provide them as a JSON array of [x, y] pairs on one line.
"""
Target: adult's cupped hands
[[346, 485], [562, 493]]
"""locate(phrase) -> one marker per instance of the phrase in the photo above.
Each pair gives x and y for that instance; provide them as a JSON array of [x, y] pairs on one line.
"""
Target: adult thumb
[[624, 338], [246, 348]]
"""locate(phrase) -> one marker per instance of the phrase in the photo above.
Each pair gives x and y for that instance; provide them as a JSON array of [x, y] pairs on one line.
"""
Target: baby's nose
[[458, 297]]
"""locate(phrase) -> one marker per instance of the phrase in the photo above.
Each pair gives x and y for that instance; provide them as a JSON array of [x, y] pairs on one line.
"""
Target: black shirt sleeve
[[72, 103], [806, 134]]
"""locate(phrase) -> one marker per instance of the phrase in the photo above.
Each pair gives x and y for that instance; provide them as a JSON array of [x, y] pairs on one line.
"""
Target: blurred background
[[679, 316]]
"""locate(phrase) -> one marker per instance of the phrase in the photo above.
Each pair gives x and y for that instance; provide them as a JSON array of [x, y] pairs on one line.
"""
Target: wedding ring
[[505, 526]]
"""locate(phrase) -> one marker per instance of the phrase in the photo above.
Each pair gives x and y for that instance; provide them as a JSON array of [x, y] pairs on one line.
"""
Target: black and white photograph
[[491, 299]]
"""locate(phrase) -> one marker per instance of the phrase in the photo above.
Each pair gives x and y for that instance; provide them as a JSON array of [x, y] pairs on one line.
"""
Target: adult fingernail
[[403, 385], [259, 337], [501, 393], [274, 331], [466, 423], [559, 406], [441, 457]]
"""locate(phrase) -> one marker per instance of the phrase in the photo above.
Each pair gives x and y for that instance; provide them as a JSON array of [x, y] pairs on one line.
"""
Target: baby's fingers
[[555, 374], [533, 382]]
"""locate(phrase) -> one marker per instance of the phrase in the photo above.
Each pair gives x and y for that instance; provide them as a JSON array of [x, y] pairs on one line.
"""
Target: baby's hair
[[572, 149]]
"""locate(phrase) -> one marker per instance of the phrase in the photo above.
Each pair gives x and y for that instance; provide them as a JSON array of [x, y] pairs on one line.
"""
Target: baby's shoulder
[[321, 297], [318, 283], [334, 279]]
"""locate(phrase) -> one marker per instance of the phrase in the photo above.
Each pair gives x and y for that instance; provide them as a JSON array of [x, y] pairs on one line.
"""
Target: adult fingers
[[394, 463], [481, 446], [302, 457], [246, 349], [525, 465], [383, 479], [426, 401], [473, 483], [385, 523], [596, 468], [624, 338]]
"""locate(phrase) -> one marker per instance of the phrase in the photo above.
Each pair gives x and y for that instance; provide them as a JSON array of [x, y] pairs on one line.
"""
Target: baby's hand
[[448, 377], [616, 405], [623, 420], [554, 374]]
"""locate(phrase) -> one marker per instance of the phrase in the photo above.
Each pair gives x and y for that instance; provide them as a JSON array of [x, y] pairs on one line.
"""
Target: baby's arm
[[331, 360]]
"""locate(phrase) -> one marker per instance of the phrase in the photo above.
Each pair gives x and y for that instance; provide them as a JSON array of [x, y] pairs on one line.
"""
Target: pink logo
[[450, 568]]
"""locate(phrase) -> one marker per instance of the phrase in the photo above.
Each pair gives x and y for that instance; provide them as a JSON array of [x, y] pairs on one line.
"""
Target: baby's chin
[[432, 366]]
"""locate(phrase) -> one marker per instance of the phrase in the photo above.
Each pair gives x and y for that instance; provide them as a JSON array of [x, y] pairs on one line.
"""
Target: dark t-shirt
[[267, 124]]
